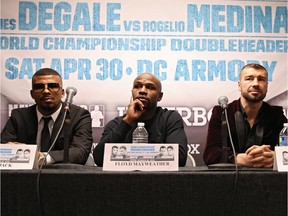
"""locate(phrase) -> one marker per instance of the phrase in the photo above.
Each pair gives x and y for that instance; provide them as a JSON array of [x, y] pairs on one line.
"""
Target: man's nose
[[255, 82], [143, 89], [46, 89]]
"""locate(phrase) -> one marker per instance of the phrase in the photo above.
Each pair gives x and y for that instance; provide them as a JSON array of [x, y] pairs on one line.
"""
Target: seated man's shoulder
[[169, 112], [171, 116], [24, 110], [77, 109], [273, 108]]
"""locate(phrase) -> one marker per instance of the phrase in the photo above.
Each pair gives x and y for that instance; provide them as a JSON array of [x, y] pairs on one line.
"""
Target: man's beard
[[48, 107], [254, 99]]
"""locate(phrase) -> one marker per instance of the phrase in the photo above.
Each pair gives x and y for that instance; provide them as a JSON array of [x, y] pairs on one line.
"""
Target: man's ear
[[63, 93], [31, 94], [160, 96], [239, 86]]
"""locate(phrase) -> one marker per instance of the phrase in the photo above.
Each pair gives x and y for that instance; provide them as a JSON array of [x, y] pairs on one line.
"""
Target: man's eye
[[150, 87], [262, 79]]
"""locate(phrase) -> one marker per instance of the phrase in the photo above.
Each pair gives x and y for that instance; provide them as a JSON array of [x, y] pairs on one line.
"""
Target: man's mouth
[[47, 99], [255, 91], [143, 99]]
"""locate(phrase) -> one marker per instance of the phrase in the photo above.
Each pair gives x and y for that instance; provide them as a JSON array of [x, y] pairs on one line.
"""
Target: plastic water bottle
[[283, 136], [140, 134]]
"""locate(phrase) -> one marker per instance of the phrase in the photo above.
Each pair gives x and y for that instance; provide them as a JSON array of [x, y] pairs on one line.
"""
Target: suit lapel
[[240, 129], [33, 128]]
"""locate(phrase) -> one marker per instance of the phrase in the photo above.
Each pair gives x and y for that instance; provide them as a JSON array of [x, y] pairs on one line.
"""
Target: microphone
[[223, 102], [71, 92]]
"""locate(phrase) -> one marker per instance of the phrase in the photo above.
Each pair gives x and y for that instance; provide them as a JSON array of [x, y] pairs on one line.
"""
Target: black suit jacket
[[22, 127], [271, 121]]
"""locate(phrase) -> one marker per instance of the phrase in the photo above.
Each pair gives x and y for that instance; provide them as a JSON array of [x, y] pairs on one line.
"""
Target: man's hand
[[41, 158], [256, 156], [14, 143], [135, 111]]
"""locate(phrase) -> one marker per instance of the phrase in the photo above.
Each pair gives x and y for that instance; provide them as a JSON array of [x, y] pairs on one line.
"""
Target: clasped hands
[[256, 156]]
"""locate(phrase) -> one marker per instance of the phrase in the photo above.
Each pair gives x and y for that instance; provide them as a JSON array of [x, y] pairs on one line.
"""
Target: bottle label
[[140, 139], [283, 140]]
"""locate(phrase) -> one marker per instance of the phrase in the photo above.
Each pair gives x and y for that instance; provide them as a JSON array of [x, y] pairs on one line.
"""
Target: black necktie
[[45, 135]]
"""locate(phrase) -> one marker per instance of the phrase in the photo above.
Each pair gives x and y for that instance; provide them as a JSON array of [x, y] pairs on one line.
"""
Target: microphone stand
[[66, 137], [224, 135]]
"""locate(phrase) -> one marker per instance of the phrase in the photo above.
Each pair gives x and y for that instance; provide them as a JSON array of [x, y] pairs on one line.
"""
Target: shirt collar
[[245, 115]]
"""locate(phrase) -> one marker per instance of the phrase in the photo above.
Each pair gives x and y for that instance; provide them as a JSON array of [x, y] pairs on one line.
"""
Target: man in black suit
[[254, 124], [25, 124]]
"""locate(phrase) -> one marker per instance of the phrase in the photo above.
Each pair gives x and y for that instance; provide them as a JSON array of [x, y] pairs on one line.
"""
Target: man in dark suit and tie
[[254, 124], [43, 120]]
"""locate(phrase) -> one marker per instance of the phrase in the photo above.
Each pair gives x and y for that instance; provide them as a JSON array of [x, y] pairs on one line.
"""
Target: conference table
[[70, 190]]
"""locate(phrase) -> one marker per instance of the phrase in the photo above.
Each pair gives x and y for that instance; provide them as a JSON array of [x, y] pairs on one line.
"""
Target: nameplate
[[142, 157], [17, 156], [281, 159]]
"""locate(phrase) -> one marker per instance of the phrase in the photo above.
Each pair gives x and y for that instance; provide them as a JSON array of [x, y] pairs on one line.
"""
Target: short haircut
[[255, 66], [45, 71]]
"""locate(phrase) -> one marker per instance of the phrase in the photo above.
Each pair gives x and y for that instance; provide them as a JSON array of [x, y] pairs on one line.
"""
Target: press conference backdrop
[[196, 48]]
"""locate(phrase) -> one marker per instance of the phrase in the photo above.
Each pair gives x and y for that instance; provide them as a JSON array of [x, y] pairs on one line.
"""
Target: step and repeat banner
[[196, 48]]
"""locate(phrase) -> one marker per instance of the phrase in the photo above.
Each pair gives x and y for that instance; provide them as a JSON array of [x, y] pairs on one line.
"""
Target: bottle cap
[[141, 124]]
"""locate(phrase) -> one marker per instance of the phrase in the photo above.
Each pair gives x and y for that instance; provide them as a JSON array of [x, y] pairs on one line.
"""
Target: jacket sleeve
[[115, 132], [213, 149], [9, 132], [175, 133], [21, 127]]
